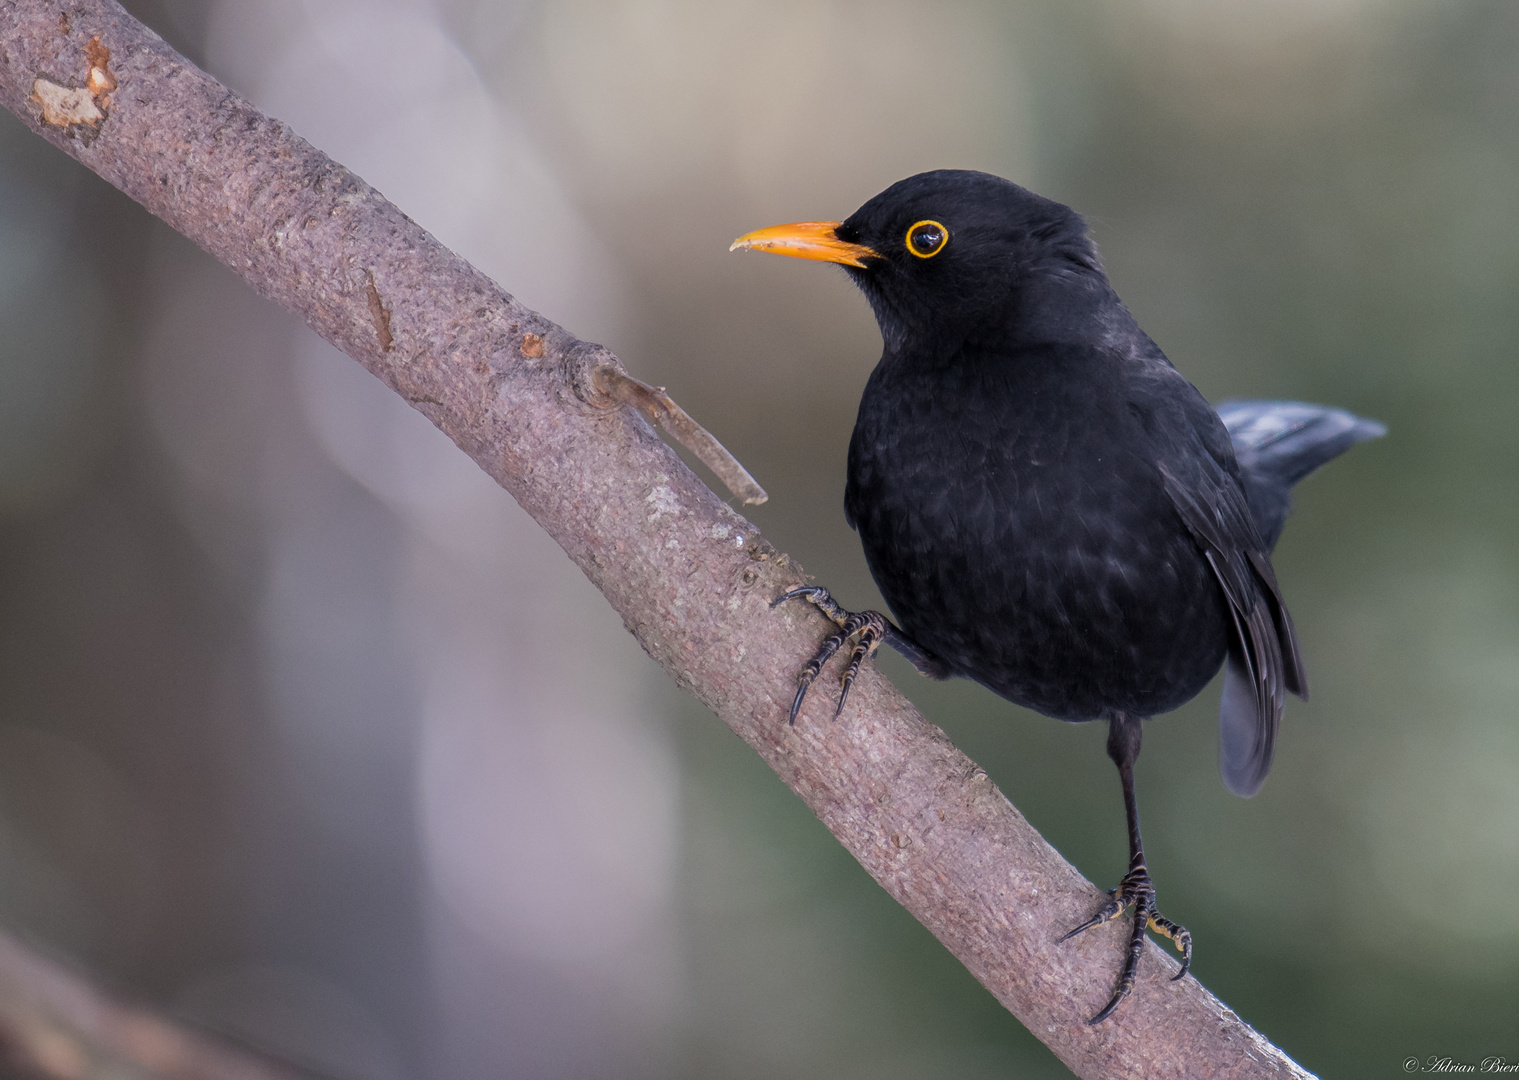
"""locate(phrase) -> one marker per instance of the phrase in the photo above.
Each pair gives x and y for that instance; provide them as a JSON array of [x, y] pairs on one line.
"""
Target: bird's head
[[947, 255]]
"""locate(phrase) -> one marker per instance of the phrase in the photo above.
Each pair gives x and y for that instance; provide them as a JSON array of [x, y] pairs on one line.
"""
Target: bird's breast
[[1026, 539]]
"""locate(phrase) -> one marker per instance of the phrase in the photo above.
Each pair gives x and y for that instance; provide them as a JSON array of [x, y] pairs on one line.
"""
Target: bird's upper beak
[[807, 240]]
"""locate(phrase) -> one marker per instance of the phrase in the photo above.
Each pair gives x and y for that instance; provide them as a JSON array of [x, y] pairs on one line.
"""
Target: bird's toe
[[1136, 891]]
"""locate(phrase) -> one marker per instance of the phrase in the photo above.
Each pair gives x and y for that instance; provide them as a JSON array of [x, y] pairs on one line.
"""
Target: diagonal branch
[[55, 1026], [690, 577]]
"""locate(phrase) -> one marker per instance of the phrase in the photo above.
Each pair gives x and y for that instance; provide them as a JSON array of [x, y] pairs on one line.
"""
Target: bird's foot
[[868, 628], [1136, 890]]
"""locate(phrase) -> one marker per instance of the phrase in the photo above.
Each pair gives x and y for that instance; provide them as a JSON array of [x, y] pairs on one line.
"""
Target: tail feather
[[1277, 443], [1246, 746]]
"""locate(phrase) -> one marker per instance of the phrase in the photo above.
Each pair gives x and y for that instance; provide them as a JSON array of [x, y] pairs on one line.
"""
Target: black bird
[[1047, 505]]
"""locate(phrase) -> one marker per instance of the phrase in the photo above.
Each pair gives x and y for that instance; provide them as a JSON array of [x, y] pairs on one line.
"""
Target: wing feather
[[1264, 661]]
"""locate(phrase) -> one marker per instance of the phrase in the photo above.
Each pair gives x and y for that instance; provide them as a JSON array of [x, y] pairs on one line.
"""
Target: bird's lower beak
[[806, 240]]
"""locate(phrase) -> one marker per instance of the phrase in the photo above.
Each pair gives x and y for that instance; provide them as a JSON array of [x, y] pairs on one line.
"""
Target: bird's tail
[[1277, 443]]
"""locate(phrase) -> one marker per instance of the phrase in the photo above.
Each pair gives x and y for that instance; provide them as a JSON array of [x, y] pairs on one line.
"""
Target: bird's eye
[[926, 239]]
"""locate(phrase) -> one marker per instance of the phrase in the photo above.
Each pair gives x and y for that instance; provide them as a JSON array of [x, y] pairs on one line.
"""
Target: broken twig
[[661, 409]]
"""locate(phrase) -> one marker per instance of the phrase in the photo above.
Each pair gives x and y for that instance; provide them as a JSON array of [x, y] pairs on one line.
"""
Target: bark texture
[[691, 578]]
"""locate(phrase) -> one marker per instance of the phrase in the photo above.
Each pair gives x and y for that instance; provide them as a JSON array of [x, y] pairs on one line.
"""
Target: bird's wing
[[1264, 661]]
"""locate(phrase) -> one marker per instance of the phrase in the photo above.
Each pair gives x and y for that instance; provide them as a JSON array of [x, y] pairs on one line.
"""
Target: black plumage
[[1047, 505]]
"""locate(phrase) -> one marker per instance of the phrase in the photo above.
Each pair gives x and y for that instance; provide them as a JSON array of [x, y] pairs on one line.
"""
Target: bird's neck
[[1055, 308]]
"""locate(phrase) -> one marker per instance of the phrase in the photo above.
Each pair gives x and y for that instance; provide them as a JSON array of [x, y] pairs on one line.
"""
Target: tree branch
[[691, 578], [54, 1025]]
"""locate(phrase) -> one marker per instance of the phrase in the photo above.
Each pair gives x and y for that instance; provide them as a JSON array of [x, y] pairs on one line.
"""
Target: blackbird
[[1047, 505]]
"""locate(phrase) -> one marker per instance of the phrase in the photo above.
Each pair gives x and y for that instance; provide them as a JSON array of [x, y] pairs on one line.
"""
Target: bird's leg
[[1135, 889], [871, 629]]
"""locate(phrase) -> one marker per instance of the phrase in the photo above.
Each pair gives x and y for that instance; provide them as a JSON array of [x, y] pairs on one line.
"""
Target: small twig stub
[[661, 409]]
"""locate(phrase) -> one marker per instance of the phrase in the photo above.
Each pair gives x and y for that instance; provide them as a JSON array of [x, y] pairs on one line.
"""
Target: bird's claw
[[869, 627], [1136, 890]]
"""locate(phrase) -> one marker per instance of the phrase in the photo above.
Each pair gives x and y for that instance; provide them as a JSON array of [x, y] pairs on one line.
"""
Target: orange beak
[[806, 240]]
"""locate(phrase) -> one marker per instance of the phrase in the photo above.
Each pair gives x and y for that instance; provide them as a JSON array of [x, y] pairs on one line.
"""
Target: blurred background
[[309, 735]]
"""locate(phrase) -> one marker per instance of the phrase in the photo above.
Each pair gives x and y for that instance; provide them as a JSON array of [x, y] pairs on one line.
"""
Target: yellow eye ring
[[925, 239]]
